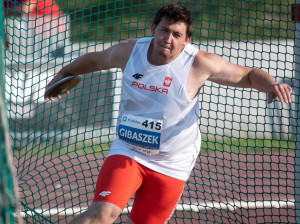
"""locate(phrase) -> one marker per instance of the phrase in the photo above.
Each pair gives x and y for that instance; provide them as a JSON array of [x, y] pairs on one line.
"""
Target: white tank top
[[158, 123]]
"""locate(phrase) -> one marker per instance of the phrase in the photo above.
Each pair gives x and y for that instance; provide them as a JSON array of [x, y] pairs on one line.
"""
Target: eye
[[177, 35], [164, 29]]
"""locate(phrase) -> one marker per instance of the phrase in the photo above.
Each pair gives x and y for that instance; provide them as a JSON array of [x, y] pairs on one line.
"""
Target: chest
[[151, 83]]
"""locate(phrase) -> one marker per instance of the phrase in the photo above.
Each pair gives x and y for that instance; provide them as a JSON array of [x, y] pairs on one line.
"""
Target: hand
[[58, 97], [282, 91], [60, 75]]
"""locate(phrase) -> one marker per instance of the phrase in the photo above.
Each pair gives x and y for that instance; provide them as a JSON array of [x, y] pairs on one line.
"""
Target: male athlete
[[158, 138]]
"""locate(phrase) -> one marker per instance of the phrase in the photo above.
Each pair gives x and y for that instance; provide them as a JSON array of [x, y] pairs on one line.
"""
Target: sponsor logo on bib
[[141, 131]]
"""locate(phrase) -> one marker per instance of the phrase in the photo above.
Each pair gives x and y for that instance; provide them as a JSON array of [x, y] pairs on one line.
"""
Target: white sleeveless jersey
[[154, 101]]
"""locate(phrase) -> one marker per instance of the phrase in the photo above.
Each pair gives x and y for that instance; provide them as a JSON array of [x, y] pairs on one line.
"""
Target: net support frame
[[9, 202], [297, 99]]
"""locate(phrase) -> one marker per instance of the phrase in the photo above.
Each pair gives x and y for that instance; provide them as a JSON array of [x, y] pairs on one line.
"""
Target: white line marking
[[231, 206]]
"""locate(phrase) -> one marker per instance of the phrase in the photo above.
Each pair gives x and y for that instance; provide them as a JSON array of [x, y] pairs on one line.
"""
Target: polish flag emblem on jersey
[[168, 81]]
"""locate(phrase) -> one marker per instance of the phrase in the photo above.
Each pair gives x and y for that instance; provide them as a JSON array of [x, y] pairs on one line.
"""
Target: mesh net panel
[[245, 171], [8, 184]]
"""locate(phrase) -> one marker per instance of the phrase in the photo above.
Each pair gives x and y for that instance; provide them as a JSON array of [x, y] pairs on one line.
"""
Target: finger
[[278, 89], [290, 91], [271, 97], [67, 92], [59, 96], [286, 95], [286, 92]]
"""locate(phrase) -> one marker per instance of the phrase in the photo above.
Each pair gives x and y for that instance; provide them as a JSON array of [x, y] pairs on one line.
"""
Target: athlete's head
[[175, 12]]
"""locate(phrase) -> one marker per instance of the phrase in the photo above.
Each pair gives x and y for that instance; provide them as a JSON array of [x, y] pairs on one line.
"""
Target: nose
[[168, 37]]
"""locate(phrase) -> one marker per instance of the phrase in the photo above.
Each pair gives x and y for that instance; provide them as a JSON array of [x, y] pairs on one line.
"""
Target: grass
[[224, 144], [247, 145]]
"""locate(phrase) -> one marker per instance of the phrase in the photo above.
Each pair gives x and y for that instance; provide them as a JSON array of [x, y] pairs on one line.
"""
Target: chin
[[163, 55]]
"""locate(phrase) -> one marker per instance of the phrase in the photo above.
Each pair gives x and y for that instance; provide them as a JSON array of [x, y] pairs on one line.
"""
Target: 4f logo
[[168, 81], [137, 76], [104, 193]]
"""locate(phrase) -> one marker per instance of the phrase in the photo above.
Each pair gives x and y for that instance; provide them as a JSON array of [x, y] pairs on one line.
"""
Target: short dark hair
[[175, 12]]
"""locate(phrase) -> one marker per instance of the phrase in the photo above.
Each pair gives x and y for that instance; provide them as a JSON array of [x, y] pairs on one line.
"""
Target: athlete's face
[[169, 39]]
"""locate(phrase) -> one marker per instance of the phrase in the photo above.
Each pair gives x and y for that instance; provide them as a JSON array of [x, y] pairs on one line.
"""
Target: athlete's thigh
[[118, 180], [156, 200]]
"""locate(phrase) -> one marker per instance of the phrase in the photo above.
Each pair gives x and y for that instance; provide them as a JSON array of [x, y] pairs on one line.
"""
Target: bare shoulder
[[206, 61], [212, 67], [124, 47], [127, 44], [200, 72], [121, 52]]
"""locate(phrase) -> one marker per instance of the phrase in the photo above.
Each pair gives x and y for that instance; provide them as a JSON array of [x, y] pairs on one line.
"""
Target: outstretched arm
[[113, 57], [264, 82], [222, 72]]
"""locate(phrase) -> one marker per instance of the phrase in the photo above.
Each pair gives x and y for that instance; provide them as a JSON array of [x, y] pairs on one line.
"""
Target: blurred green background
[[106, 20]]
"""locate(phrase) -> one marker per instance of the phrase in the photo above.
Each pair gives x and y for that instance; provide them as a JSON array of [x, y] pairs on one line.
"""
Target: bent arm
[[225, 73], [90, 62], [113, 57], [264, 82]]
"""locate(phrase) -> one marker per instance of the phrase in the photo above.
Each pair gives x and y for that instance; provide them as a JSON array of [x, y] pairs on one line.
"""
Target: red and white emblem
[[168, 81]]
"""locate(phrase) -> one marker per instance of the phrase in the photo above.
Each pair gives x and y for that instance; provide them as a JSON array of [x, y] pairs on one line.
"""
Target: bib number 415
[[152, 125]]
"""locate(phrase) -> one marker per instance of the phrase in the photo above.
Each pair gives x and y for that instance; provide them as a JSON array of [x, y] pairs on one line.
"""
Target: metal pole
[[297, 99]]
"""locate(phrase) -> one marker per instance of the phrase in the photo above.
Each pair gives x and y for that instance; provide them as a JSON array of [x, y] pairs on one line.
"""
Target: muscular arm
[[213, 68], [113, 57]]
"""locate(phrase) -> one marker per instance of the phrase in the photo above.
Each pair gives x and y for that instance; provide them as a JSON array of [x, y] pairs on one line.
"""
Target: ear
[[153, 29], [187, 40]]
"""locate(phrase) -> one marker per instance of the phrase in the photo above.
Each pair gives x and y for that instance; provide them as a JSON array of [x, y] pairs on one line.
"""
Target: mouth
[[165, 47]]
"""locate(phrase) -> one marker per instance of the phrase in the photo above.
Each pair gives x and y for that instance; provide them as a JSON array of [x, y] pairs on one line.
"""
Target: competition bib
[[141, 131]]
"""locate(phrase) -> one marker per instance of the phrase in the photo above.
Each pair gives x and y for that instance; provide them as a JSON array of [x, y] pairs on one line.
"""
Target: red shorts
[[156, 194]]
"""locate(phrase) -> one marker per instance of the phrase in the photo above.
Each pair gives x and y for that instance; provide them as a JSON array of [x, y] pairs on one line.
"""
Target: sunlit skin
[[169, 41]]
